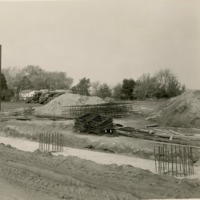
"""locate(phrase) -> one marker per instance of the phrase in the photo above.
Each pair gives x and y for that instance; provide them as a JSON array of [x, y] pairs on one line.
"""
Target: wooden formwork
[[108, 109]]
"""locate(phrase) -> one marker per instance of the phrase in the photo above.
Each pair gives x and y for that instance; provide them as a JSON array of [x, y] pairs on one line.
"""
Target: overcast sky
[[105, 40]]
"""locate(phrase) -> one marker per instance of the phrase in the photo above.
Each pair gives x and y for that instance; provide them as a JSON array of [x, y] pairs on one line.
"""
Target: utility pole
[[0, 78]]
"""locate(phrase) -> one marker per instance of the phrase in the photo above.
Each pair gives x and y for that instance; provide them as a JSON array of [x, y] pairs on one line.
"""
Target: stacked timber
[[94, 123]]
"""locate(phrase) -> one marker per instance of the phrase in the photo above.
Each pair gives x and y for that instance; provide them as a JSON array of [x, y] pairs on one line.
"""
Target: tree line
[[163, 84]]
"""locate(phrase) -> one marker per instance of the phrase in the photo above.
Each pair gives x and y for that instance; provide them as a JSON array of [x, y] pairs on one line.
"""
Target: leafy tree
[[168, 84], [10, 76], [24, 83], [117, 91], [57, 80], [104, 91], [145, 87], [33, 77], [82, 87], [127, 89], [3, 82], [95, 88], [6, 94]]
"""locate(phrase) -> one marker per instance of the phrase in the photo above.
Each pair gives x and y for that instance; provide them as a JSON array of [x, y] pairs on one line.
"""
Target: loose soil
[[10, 191], [69, 177], [55, 106], [74, 178], [182, 111]]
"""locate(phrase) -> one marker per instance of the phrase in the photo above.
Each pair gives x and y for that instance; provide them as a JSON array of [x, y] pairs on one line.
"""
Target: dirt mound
[[182, 111], [54, 107]]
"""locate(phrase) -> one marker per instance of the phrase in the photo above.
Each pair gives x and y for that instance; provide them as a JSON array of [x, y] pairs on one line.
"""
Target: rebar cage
[[107, 109], [174, 160], [51, 142]]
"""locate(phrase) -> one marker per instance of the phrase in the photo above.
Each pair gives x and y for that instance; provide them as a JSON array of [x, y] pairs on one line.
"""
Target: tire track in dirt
[[74, 178], [63, 186]]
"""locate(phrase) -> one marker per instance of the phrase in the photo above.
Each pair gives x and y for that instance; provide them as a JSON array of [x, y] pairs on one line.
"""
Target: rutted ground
[[10, 191], [74, 178]]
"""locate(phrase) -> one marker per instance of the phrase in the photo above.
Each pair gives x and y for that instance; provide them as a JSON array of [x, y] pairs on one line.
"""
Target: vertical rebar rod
[[180, 160], [176, 160], [46, 145], [155, 158], [61, 143], [53, 141], [44, 141], [168, 160], [192, 161], [185, 153], [186, 161], [189, 163], [48, 142], [39, 141], [50, 139], [159, 165], [172, 160], [163, 157], [56, 141], [184, 169]]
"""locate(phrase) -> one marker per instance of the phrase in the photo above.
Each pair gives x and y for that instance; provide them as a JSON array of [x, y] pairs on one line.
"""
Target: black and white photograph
[[99, 99]]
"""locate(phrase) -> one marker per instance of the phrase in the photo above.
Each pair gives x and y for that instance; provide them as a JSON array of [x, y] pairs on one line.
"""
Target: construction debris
[[94, 123], [152, 125]]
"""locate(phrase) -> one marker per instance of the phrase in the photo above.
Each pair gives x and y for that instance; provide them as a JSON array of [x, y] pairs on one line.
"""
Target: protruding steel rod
[[155, 158]]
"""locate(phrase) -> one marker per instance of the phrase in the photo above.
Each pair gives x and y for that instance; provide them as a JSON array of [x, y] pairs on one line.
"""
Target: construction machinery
[[47, 97], [35, 98]]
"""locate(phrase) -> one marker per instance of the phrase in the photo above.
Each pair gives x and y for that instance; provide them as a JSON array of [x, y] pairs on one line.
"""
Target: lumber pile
[[94, 123], [159, 135]]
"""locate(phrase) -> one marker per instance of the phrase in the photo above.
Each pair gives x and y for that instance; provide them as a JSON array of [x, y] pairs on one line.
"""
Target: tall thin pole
[[0, 77]]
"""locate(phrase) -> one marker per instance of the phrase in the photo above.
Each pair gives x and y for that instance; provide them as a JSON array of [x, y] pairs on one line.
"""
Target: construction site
[[99, 100], [78, 147]]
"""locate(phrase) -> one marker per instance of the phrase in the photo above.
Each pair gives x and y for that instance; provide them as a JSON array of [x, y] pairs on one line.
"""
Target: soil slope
[[74, 178], [182, 111]]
